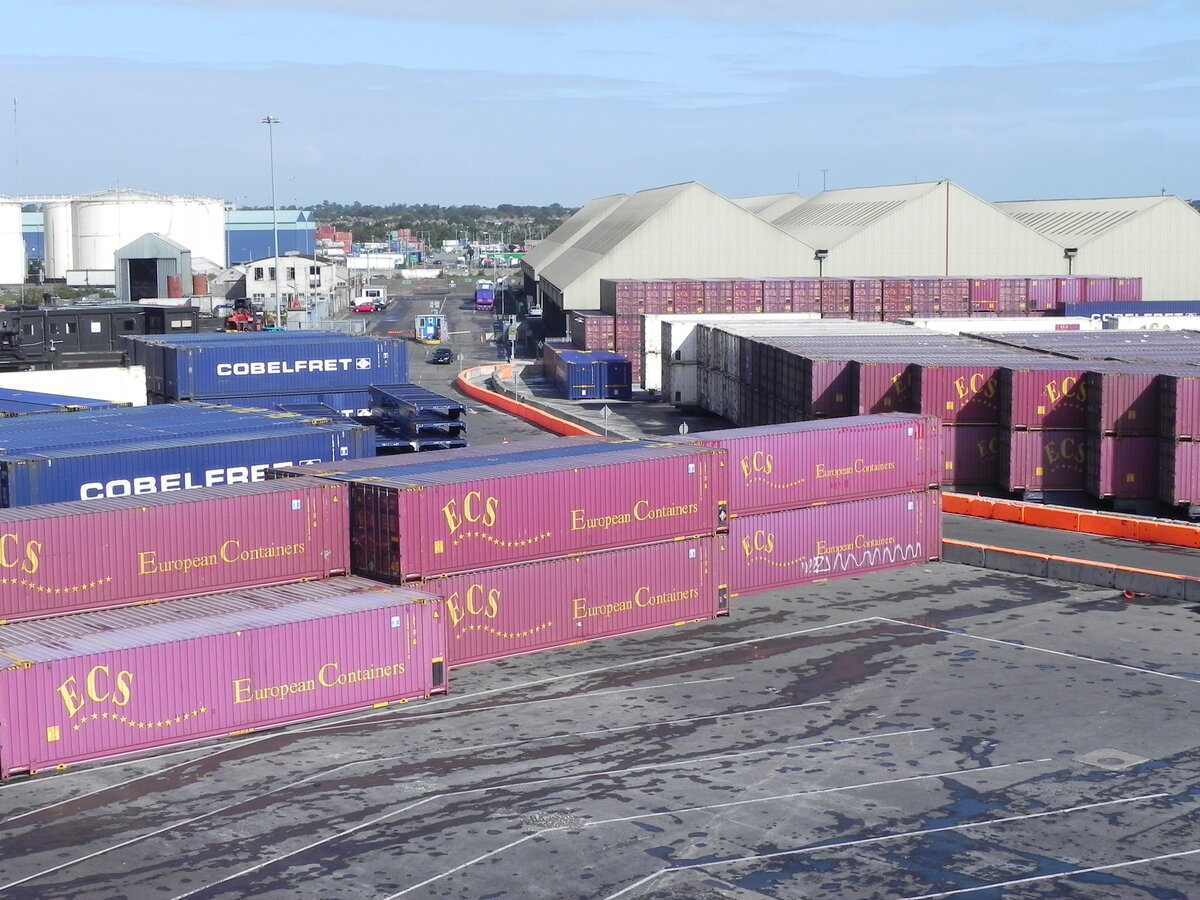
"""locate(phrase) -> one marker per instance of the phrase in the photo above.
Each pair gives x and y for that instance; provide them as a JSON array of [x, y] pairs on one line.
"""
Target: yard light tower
[[271, 122]]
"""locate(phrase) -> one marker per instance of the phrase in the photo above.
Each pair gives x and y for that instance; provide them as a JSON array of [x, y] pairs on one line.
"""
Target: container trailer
[[100, 684]]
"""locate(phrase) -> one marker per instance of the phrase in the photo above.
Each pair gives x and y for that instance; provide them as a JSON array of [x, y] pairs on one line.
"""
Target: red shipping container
[[955, 292], [1051, 460], [1100, 290], [432, 524], [984, 294], [836, 299], [718, 296], [806, 295], [63, 557], [627, 333], [1068, 289], [885, 387], [498, 613], [797, 464], [592, 331], [1043, 293], [99, 684], [777, 295], [830, 392], [1043, 397], [958, 394], [1127, 290], [1123, 400], [1179, 472], [971, 455], [866, 299], [1122, 467], [622, 296], [769, 551]]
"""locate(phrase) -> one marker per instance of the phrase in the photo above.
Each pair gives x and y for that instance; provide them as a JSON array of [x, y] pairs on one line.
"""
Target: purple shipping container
[[806, 295], [1123, 400], [1179, 398], [62, 557], [592, 331], [1099, 289], [984, 294], [884, 387], [1051, 460], [620, 297], [777, 296], [1049, 396], [718, 296], [1043, 294], [433, 524], [1122, 467], [958, 393], [797, 464], [498, 613], [100, 684], [971, 455], [1127, 290], [836, 298], [1179, 472], [777, 550]]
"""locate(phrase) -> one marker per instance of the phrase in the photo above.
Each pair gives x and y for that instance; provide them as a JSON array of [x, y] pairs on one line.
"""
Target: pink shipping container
[[806, 295], [62, 557], [866, 299], [1050, 460], [777, 296], [1123, 400], [1179, 473], [1043, 294], [1043, 397], [1068, 289], [955, 293], [433, 524], [1179, 397], [984, 294], [718, 296], [958, 394], [592, 331], [971, 455], [769, 551], [622, 296], [1100, 289], [797, 464], [627, 333], [1127, 290], [836, 299], [1122, 467], [885, 387], [99, 684], [498, 613]]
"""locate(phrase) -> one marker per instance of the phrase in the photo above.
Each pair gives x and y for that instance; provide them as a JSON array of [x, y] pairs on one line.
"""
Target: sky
[[564, 101]]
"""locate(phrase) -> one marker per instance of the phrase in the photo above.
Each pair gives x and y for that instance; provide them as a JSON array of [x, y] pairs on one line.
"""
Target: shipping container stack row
[[14, 402], [588, 374], [1061, 416], [306, 371], [865, 298], [353, 585]]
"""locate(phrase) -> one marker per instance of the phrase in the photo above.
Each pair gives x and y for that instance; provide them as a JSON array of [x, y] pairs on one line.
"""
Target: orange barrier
[[1149, 531], [532, 414], [1067, 559]]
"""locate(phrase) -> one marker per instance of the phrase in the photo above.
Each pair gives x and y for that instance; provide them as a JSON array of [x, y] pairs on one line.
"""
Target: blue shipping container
[[234, 366], [347, 403], [590, 374], [119, 470], [23, 403], [133, 424], [1118, 308]]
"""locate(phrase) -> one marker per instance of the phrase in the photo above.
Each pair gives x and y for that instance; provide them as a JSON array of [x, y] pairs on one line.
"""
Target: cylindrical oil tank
[[198, 223], [174, 286], [106, 222], [12, 245], [60, 241], [199, 285]]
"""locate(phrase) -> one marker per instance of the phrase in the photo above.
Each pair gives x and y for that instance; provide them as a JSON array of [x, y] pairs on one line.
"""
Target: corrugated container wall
[[776, 550], [1043, 460], [426, 525], [502, 612], [97, 684], [63, 557], [1122, 467]]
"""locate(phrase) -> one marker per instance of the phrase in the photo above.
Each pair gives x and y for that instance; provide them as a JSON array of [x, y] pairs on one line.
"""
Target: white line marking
[[1019, 646], [840, 845], [608, 773], [1071, 874]]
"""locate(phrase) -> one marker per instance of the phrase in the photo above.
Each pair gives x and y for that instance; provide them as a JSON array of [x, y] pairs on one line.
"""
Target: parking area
[[941, 731]]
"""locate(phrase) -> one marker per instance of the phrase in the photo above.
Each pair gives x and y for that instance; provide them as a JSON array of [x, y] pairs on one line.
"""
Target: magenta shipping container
[[99, 684], [971, 455], [1122, 467], [1045, 395], [438, 523], [1179, 396], [62, 557], [502, 612], [1046, 460], [796, 464], [1179, 472], [958, 394], [775, 550]]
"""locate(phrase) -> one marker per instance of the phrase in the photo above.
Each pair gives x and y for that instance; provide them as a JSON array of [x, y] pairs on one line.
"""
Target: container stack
[[410, 417], [1044, 415], [588, 374], [1179, 447], [810, 501], [15, 402]]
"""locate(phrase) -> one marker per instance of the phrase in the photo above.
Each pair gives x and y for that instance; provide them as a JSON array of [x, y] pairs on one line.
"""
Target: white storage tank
[[103, 223], [60, 237], [12, 244], [198, 223]]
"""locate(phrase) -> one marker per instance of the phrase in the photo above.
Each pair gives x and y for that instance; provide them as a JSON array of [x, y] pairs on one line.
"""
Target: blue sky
[[554, 101]]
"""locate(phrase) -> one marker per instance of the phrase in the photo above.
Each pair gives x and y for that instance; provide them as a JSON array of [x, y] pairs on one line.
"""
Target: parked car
[[367, 306], [442, 356]]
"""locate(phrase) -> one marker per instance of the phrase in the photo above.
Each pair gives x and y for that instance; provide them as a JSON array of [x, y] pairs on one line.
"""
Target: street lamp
[[1069, 254], [820, 257], [271, 122]]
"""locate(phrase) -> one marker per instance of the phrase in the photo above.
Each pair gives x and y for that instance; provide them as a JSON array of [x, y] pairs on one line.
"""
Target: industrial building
[[923, 229]]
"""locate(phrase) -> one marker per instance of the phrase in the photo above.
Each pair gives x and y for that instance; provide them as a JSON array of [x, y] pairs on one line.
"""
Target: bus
[[485, 295]]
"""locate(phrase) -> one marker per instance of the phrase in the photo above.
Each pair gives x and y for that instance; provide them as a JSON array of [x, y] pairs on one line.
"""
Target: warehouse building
[[1157, 238], [681, 231]]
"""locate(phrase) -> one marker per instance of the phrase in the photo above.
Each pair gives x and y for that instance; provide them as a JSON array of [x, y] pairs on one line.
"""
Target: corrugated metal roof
[[621, 222], [771, 206], [571, 230], [1073, 223], [832, 216]]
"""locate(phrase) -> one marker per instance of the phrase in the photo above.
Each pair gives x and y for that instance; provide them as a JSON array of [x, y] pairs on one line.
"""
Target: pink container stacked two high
[[832, 498]]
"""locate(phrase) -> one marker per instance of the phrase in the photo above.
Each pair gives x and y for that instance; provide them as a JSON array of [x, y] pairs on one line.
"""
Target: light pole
[[271, 122]]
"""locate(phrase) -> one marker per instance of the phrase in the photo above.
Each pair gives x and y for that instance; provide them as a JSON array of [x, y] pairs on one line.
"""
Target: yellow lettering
[[71, 699], [241, 690]]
